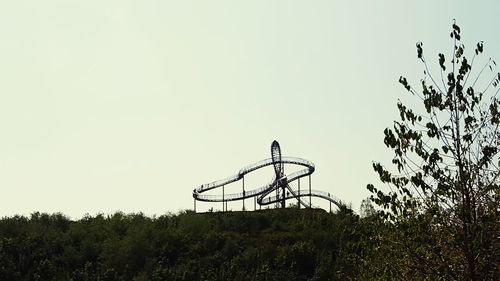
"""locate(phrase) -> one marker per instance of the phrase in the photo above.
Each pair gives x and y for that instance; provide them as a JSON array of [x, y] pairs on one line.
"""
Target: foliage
[[444, 197], [366, 209], [280, 244]]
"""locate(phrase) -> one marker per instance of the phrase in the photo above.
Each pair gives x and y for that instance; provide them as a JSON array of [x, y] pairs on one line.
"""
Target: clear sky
[[129, 105]]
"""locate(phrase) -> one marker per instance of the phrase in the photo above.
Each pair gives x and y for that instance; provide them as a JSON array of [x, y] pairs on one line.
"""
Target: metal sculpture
[[280, 184]]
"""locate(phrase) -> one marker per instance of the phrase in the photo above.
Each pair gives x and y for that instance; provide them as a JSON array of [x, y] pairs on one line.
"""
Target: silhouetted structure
[[280, 184]]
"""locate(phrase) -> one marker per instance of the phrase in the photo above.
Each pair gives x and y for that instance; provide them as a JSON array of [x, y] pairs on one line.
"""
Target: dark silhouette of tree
[[444, 193], [281, 244]]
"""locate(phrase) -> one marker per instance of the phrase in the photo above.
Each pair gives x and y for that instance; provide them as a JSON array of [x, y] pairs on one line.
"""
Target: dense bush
[[281, 244]]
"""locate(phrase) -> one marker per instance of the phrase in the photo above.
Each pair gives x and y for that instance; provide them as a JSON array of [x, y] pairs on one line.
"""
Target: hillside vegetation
[[279, 244]]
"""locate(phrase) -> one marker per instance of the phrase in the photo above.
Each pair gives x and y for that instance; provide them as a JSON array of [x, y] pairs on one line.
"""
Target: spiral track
[[279, 184]]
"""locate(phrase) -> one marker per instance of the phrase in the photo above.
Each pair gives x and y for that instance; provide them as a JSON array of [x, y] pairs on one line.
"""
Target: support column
[[310, 194], [330, 203], [223, 202], [243, 193], [276, 203], [298, 197], [194, 204], [283, 204], [255, 203]]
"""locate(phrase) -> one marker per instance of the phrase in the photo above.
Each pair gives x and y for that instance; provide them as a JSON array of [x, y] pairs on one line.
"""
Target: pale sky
[[129, 105]]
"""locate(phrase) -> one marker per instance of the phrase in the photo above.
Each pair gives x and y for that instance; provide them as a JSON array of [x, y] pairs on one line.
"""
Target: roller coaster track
[[279, 184]]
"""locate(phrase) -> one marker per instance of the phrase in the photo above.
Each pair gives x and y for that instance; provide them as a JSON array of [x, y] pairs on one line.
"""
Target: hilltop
[[277, 244]]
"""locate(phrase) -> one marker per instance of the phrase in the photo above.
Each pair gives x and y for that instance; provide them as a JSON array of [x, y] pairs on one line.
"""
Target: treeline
[[280, 244]]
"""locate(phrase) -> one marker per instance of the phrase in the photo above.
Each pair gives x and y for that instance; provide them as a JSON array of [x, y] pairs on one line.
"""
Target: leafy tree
[[281, 244], [366, 209], [444, 193]]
